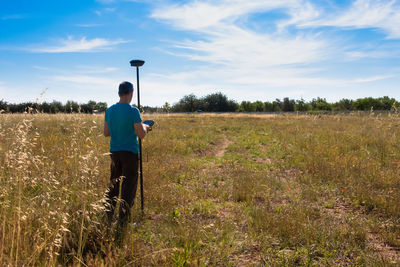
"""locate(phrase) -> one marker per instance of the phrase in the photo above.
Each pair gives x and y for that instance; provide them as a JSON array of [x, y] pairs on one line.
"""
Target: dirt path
[[221, 147], [217, 149], [243, 251]]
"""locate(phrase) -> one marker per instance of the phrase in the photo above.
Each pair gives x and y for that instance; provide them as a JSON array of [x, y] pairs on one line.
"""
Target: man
[[124, 124]]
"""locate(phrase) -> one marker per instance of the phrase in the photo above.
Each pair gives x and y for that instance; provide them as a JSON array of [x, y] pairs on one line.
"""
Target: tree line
[[53, 107], [218, 102]]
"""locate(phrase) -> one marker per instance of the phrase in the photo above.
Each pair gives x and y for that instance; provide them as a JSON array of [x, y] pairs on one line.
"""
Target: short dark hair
[[125, 88]]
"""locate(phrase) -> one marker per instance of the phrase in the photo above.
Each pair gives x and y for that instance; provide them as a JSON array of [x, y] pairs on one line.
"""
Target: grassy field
[[220, 190]]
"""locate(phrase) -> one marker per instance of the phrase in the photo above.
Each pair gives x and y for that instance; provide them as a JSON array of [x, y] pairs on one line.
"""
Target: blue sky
[[249, 50]]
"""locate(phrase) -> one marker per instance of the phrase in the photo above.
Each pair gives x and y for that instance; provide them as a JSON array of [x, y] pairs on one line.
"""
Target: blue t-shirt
[[120, 118]]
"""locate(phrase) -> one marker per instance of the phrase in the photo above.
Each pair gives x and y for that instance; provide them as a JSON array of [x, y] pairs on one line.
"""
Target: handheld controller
[[149, 122]]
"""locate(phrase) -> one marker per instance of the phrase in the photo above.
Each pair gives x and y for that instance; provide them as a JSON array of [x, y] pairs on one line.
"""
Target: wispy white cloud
[[82, 69], [42, 68], [96, 69], [377, 53], [237, 47], [80, 45], [376, 14], [240, 57], [222, 39], [373, 79], [105, 11], [200, 15], [300, 13], [85, 79], [224, 42]]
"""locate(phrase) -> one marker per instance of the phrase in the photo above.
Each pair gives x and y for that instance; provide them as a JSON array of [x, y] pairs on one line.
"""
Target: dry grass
[[236, 190]]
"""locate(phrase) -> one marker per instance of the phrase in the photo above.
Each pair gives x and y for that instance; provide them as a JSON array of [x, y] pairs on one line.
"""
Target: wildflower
[[396, 163]]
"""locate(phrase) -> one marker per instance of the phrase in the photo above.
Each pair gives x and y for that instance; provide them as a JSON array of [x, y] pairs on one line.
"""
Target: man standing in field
[[124, 124]]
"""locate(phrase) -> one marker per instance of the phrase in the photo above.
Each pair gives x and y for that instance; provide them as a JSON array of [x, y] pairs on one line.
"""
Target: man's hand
[[148, 127], [141, 129]]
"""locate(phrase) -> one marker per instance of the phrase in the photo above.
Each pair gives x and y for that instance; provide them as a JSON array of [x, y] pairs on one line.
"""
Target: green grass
[[288, 190]]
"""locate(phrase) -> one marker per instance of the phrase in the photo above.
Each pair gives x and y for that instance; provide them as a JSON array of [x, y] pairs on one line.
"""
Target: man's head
[[125, 91], [125, 88]]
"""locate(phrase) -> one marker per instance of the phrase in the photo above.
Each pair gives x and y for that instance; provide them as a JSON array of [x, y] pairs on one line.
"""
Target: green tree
[[388, 103], [343, 105], [100, 106], [188, 103], [56, 107], [247, 106], [268, 107], [320, 104], [277, 105], [45, 107], [218, 102], [259, 106], [71, 107], [368, 103], [288, 105], [301, 105]]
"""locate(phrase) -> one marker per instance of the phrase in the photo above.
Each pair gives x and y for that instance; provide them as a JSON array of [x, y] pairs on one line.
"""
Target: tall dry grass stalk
[[49, 188]]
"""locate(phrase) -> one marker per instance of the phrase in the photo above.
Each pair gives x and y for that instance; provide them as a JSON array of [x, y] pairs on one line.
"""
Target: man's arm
[[106, 131], [141, 129]]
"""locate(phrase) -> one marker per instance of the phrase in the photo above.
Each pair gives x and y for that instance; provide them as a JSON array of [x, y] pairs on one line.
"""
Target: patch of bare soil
[[221, 147], [384, 250], [263, 160], [387, 252], [226, 214], [250, 256], [340, 210], [217, 149]]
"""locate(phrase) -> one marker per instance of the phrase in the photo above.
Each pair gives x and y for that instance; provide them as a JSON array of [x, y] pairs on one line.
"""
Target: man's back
[[120, 118]]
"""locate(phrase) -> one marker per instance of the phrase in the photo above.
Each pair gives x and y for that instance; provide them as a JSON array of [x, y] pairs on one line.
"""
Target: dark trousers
[[124, 180]]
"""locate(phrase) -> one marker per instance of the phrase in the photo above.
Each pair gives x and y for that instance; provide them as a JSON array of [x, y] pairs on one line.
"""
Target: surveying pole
[[138, 63]]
